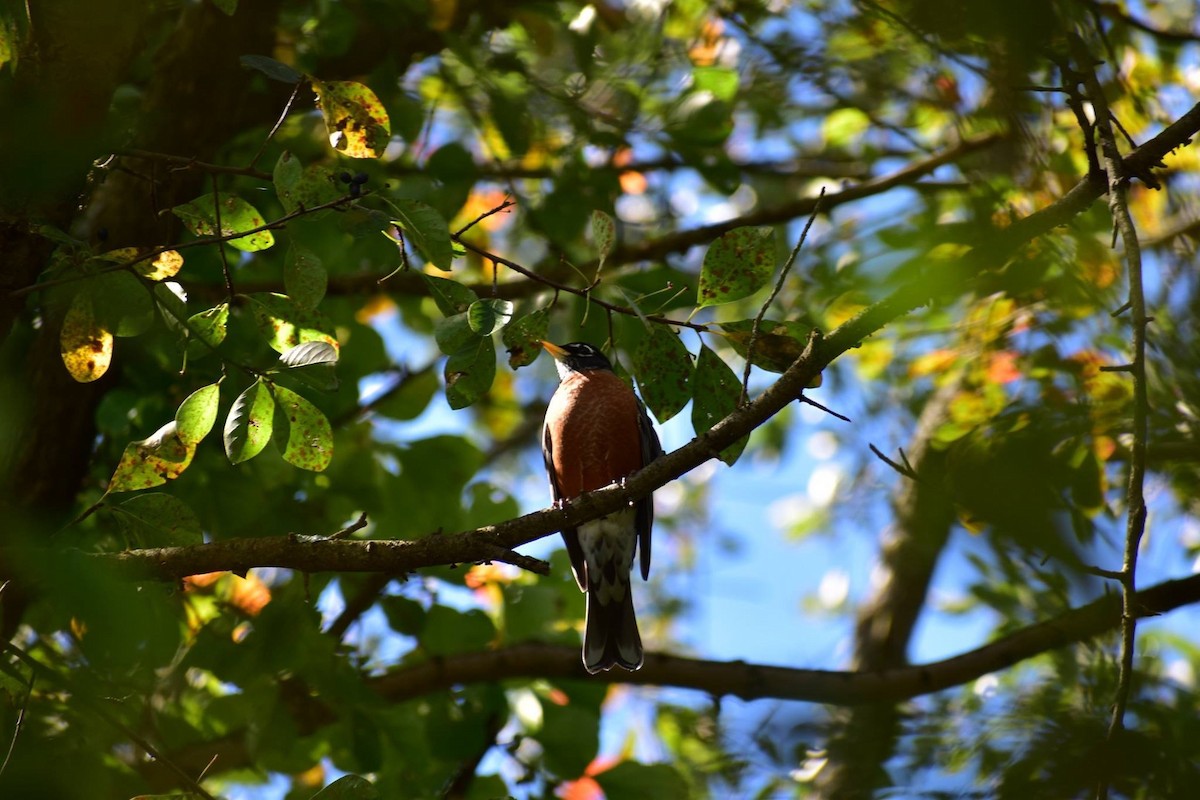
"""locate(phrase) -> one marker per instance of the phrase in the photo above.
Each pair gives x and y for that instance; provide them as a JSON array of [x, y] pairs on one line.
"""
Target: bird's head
[[577, 357]]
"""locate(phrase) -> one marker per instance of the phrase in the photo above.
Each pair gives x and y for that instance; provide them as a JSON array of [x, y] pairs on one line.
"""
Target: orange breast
[[594, 432]]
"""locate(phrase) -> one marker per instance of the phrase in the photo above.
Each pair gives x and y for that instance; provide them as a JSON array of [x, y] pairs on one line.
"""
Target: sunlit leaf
[[158, 520], [165, 265], [200, 217], [307, 435], [523, 338], [86, 347], [285, 324], [208, 330], [122, 303], [663, 368], [197, 414], [488, 316], [427, 229], [356, 121], [152, 461], [717, 390], [844, 127], [737, 265], [299, 186], [249, 424]]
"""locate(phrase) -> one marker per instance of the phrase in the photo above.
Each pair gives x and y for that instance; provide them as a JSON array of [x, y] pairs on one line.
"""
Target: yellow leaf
[[86, 347], [357, 122], [166, 265]]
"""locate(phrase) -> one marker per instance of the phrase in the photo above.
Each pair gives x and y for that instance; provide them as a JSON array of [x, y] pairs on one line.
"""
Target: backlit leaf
[[604, 234], [152, 461], [663, 368], [249, 424], [523, 338], [86, 347], [122, 303], [285, 324], [356, 121], [200, 217], [427, 229], [737, 265], [165, 265], [207, 330], [197, 414], [717, 390], [307, 438]]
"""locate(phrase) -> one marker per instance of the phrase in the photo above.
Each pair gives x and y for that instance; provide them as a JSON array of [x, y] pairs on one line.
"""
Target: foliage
[[344, 256]]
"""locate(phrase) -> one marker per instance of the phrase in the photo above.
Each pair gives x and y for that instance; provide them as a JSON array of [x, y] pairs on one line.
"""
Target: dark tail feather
[[611, 637]]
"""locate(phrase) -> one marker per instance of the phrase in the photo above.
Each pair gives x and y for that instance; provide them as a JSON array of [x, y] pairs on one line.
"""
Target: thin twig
[[586, 294], [783, 273], [502, 207], [357, 525], [278, 124], [184, 162], [809, 401], [221, 247], [1135, 499], [905, 469], [12, 745]]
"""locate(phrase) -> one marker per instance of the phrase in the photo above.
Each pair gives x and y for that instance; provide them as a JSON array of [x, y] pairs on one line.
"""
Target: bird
[[596, 433]]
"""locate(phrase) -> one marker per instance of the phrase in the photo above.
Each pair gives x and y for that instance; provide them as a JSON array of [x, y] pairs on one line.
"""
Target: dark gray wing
[[570, 535], [644, 512]]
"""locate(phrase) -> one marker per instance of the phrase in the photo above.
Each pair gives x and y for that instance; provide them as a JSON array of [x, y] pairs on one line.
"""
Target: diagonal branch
[[401, 556]]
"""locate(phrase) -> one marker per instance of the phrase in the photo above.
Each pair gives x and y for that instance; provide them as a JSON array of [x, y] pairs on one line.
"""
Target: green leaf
[[720, 82], [171, 300], [844, 127], [451, 296], [348, 787], [309, 354], [309, 437], [737, 265], [85, 344], [716, 389], [488, 316], [197, 414], [469, 373], [200, 217], [227, 6], [403, 615], [123, 305], [604, 234], [356, 121], [570, 738], [158, 520], [286, 324], [304, 278], [299, 187], [777, 346], [663, 367], [633, 781], [454, 333], [208, 330], [523, 338], [448, 631], [152, 461], [275, 70], [249, 424], [427, 229]]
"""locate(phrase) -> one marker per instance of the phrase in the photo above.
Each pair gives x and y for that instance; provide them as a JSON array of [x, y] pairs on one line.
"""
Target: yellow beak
[[554, 350]]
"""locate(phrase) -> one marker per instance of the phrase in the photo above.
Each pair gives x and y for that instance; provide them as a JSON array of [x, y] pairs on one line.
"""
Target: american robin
[[596, 433]]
